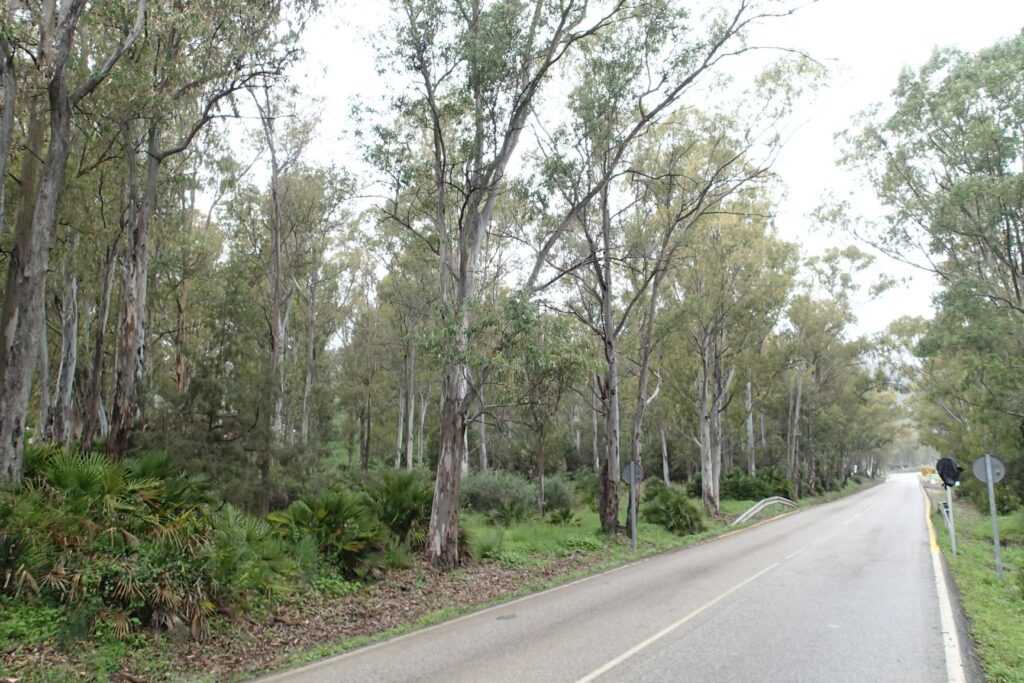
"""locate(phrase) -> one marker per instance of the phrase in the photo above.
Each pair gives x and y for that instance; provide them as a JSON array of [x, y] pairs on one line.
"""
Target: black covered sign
[[949, 471]]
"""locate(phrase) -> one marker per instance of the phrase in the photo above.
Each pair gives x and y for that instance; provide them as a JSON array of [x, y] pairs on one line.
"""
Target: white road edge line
[[672, 627], [950, 640]]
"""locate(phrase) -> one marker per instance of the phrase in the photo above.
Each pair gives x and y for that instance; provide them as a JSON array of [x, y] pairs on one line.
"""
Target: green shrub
[[22, 624], [670, 508], [736, 484], [341, 524], [564, 517], [495, 490], [487, 545], [557, 493], [109, 545], [333, 585], [401, 501], [508, 512], [976, 491], [586, 488]]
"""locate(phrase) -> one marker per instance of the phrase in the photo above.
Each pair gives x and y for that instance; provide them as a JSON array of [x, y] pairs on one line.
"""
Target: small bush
[[401, 501], [509, 512], [487, 545], [121, 551], [557, 493], [333, 585], [564, 517], [738, 485], [584, 544], [670, 508], [341, 524], [586, 488], [495, 490]]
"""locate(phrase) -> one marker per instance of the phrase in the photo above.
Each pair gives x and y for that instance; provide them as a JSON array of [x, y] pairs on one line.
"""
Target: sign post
[[950, 473], [991, 470], [632, 474], [949, 517]]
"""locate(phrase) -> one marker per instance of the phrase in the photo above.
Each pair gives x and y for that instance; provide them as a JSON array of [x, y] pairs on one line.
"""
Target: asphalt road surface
[[840, 592]]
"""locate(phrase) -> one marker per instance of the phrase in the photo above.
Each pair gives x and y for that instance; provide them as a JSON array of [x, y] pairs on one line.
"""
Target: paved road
[[839, 592]]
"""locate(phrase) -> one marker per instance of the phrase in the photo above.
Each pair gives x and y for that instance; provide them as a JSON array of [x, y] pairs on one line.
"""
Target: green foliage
[[498, 491], [332, 585], [976, 491], [557, 493], [564, 516], [345, 531], [22, 623], [768, 482], [487, 544], [401, 502], [119, 554], [586, 488], [508, 511], [669, 507]]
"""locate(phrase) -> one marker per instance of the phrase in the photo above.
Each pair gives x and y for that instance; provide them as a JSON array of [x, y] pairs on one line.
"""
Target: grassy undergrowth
[[526, 544], [995, 608]]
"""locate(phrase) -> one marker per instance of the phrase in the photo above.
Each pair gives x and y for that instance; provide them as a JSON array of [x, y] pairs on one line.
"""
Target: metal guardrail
[[758, 507]]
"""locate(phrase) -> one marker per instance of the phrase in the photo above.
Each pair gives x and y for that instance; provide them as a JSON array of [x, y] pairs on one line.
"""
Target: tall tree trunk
[[399, 442], [181, 362], [749, 405], [709, 492], [793, 429], [364, 456], [94, 403], [410, 406], [482, 432], [45, 425], [307, 381], [443, 533], [608, 505], [423, 419], [21, 318], [595, 451], [664, 458], [576, 435], [130, 367], [8, 102], [62, 415]]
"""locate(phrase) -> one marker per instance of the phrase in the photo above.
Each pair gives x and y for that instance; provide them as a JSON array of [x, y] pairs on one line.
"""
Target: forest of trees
[[556, 253]]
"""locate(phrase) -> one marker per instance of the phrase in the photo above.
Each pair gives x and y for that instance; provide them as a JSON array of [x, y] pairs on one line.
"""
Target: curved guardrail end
[[761, 505]]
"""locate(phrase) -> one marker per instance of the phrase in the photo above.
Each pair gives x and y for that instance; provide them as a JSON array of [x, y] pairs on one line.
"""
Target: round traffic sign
[[632, 473], [998, 469]]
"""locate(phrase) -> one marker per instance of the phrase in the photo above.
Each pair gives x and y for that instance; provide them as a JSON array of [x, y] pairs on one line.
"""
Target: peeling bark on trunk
[[793, 430], [443, 533], [130, 367], [21, 319], [62, 415], [182, 367], [8, 102], [45, 425], [94, 404]]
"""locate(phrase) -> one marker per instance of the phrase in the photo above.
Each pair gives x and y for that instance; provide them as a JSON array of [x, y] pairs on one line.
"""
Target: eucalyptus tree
[[725, 295], [479, 69], [948, 164], [22, 314]]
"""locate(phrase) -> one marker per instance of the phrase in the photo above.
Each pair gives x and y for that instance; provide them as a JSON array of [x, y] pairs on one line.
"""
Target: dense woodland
[[556, 252]]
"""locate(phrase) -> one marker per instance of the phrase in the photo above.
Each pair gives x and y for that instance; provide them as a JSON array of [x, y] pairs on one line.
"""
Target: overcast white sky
[[865, 42]]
